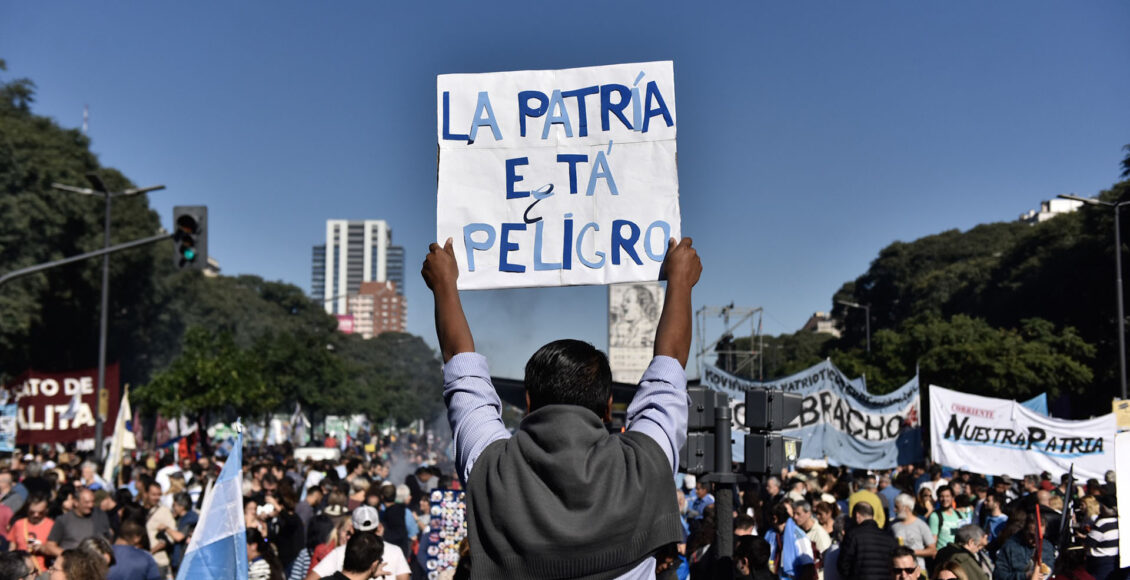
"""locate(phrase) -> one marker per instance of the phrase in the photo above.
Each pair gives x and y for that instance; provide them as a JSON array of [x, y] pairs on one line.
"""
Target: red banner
[[45, 401]]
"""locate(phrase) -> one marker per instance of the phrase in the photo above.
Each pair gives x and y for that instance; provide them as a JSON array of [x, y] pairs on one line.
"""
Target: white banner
[[1122, 491], [999, 436], [553, 178], [839, 420]]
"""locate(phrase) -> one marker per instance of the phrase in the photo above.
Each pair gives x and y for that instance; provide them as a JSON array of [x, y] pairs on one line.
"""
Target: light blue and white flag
[[218, 549]]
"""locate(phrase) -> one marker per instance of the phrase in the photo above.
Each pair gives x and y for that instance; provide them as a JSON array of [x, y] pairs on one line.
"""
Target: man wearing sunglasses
[[904, 564]]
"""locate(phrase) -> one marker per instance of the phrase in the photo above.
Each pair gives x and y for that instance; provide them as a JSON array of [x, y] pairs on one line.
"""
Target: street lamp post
[[866, 312], [99, 188], [1117, 279]]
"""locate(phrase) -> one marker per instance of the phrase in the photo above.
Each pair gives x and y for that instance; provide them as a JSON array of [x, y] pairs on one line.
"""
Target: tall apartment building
[[355, 252]]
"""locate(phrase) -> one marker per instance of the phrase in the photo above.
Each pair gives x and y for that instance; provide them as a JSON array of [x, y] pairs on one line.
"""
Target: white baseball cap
[[366, 518]]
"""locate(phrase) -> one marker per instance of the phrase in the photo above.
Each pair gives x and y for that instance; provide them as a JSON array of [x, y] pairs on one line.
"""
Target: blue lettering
[[580, 94], [538, 264], [471, 245], [447, 134], [581, 246], [601, 170], [507, 246], [661, 109], [524, 109], [618, 241], [558, 115], [607, 106], [484, 107], [572, 160], [512, 177], [666, 229]]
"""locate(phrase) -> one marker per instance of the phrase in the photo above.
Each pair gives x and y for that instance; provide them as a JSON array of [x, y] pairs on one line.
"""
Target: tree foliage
[[189, 343]]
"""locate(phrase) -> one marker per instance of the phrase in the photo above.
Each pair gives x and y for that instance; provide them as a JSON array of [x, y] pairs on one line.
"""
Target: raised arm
[[682, 269], [440, 272]]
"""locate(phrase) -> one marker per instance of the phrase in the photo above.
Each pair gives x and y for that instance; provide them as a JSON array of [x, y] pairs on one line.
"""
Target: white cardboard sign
[[558, 177]]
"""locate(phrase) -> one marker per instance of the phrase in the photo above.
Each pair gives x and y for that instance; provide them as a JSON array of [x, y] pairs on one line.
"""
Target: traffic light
[[190, 235], [768, 411]]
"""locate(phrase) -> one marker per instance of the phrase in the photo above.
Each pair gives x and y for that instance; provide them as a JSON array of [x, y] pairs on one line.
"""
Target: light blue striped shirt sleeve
[[473, 409], [659, 409]]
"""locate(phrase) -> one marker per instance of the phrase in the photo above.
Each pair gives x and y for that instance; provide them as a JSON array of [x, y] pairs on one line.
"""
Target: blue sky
[[810, 135]]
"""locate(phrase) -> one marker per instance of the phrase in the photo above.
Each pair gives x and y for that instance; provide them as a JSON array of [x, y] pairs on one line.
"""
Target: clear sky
[[811, 135]]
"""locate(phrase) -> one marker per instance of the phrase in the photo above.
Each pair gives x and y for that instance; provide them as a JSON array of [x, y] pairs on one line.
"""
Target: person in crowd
[[744, 526], [285, 528], [821, 540], [131, 561], [905, 565], [308, 507], [10, 497], [342, 531], [772, 491], [362, 559], [366, 520], [867, 492], [827, 515], [924, 504], [158, 520], [15, 566], [98, 546], [400, 527], [262, 562], [912, 532], [81, 523], [317, 533], [31, 529], [418, 482], [1101, 541], [1016, 559], [994, 517], [888, 492], [934, 482], [949, 571], [790, 551], [702, 498], [536, 472], [751, 559], [968, 550], [358, 487], [945, 521], [186, 519], [866, 551]]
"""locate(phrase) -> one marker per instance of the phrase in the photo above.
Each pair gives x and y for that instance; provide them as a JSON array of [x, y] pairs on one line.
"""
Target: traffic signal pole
[[104, 251], [724, 478]]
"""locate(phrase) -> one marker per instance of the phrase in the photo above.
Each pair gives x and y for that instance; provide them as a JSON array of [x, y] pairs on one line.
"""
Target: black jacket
[[866, 553]]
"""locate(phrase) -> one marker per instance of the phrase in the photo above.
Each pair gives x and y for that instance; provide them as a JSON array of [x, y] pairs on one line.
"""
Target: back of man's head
[[13, 565], [754, 550], [569, 372], [131, 532], [862, 511], [362, 551]]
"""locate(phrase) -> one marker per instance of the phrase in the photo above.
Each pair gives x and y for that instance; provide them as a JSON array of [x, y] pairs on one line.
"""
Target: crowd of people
[[59, 519], [911, 522]]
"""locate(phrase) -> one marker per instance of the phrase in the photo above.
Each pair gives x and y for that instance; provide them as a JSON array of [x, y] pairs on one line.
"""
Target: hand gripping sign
[[556, 178]]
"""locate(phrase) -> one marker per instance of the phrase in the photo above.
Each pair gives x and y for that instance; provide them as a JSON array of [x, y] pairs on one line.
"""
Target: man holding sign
[[563, 498]]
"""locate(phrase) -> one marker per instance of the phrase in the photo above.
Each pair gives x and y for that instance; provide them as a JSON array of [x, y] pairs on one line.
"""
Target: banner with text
[[999, 436], [49, 412], [839, 421], [558, 177]]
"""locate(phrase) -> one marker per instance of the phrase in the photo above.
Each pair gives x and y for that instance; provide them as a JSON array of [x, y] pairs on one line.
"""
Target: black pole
[[1118, 289], [723, 494], [867, 313], [103, 321]]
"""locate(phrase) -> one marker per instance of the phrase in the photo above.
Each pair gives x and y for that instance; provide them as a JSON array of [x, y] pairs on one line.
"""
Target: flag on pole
[[218, 549], [123, 440]]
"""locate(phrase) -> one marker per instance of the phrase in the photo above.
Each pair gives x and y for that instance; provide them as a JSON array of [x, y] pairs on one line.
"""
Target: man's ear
[[608, 411]]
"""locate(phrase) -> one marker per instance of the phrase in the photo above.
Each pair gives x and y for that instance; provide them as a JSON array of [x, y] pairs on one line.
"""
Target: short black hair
[[863, 509], [13, 565], [362, 551], [754, 549], [569, 372], [902, 552]]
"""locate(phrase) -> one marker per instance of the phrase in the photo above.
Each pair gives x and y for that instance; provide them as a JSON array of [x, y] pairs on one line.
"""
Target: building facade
[[355, 252], [378, 308]]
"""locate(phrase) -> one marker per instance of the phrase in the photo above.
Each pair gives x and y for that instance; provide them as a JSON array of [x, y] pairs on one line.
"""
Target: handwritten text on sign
[[551, 178]]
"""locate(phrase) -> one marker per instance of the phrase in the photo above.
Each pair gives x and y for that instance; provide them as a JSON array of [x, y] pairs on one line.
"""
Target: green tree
[[211, 374]]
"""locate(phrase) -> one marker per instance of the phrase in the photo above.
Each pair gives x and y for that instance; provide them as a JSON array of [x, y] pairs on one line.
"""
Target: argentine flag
[[218, 549]]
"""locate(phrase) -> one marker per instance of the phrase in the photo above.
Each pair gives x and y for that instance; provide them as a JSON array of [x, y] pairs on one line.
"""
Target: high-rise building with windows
[[356, 251]]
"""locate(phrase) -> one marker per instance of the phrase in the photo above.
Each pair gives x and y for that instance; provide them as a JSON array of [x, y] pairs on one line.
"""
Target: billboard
[[59, 407]]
